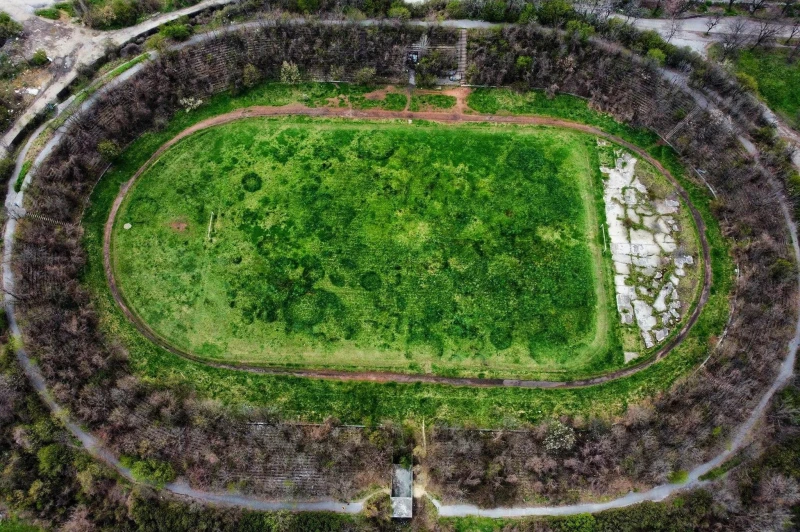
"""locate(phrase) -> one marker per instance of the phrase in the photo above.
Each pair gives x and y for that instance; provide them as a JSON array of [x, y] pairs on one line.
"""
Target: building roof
[[402, 480], [402, 507], [402, 492]]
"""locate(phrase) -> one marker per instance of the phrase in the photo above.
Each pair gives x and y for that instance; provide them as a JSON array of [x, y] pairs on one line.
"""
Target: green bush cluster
[[178, 30], [8, 27], [48, 12]]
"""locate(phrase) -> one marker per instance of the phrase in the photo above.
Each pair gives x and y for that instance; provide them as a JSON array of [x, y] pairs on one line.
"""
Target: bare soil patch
[[179, 226]]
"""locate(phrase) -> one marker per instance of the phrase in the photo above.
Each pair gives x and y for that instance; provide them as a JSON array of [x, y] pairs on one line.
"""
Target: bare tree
[[712, 22], [794, 31], [787, 5], [766, 32], [795, 51], [674, 27], [735, 37], [678, 7], [631, 10]]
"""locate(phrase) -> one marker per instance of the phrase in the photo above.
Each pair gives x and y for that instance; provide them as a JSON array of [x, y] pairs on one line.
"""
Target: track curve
[[380, 376]]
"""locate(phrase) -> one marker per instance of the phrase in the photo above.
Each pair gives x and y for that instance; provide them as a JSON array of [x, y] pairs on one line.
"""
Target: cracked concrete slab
[[644, 247]]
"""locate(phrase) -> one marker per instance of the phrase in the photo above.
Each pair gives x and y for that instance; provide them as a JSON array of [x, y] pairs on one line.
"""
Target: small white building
[[402, 492]]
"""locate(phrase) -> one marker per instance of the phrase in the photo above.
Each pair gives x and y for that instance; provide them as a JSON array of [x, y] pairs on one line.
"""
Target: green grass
[[365, 402], [26, 166], [48, 12], [432, 102], [391, 101], [125, 67], [14, 524], [510, 102], [376, 246], [67, 7], [778, 80]]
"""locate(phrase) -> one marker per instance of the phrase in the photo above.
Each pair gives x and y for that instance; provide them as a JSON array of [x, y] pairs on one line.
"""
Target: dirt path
[[378, 376]]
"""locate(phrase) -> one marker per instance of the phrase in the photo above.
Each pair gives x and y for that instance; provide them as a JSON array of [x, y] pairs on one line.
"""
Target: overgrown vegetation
[[335, 246], [365, 401], [118, 377], [23, 172], [776, 79], [431, 102], [9, 27]]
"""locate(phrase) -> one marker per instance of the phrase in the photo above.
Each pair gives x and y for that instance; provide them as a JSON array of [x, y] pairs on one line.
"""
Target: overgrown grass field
[[778, 80], [442, 249], [314, 400]]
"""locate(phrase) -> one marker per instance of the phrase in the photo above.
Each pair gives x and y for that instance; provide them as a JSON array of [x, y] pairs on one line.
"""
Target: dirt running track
[[377, 376]]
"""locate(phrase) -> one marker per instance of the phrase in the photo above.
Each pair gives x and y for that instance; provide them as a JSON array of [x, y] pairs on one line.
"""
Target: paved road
[[692, 31]]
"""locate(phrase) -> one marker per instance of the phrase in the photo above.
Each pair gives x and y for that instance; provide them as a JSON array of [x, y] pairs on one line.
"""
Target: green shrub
[[290, 73], [67, 7], [48, 12], [179, 30], [494, 11], [365, 76], [150, 470], [657, 56], [52, 459], [250, 75], [455, 9], [125, 12], [648, 40], [579, 29], [8, 27], [156, 42], [399, 12], [747, 82], [528, 14], [678, 477], [309, 6], [39, 58], [108, 149], [555, 12]]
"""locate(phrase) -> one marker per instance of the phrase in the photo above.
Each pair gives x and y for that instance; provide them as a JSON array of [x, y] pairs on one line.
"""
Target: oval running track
[[381, 376]]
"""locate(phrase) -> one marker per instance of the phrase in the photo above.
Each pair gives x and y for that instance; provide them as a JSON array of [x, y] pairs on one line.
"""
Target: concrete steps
[[461, 52]]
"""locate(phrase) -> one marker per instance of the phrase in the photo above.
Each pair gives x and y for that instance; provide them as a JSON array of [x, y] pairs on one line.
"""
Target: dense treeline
[[88, 372], [44, 476], [58, 486]]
